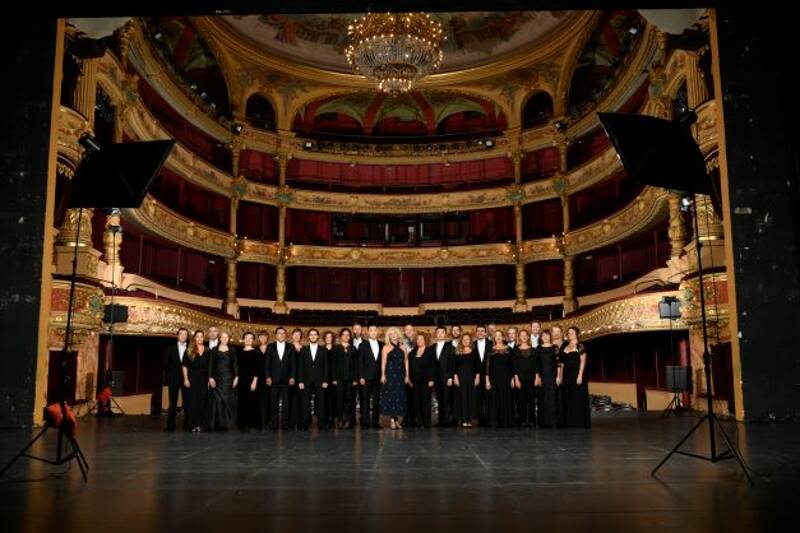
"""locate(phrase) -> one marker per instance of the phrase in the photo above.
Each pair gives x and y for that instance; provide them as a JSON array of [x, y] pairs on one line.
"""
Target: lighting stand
[[714, 424]]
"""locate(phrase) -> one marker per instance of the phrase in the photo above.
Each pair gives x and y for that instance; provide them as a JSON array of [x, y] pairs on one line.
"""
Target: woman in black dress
[[343, 375], [263, 391], [499, 383], [557, 338], [525, 379], [295, 409], [575, 387], [548, 371], [249, 397], [195, 381], [420, 372], [223, 377], [394, 378], [329, 393], [465, 379]]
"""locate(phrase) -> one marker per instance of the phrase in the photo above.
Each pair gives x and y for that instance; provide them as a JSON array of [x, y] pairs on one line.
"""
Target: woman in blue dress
[[394, 378]]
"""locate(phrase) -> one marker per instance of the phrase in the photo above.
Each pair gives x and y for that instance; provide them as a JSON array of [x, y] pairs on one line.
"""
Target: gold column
[[112, 244], [677, 227], [236, 145], [521, 305], [516, 158], [570, 304], [708, 223], [231, 304], [696, 88], [565, 211], [283, 163], [85, 90], [65, 243], [280, 272]]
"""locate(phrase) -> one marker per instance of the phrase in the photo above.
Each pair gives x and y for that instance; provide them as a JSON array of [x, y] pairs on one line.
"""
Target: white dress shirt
[[439, 348], [481, 343], [313, 348], [375, 351], [357, 342], [535, 341], [213, 343], [181, 350], [281, 347]]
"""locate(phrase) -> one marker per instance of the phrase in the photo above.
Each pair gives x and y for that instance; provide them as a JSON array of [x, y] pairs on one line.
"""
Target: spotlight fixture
[[236, 129], [308, 145], [633, 30], [89, 143], [158, 36], [558, 125], [429, 148], [203, 95], [193, 86], [489, 143], [686, 203]]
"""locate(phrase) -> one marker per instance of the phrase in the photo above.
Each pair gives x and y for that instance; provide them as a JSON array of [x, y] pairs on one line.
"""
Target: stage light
[[89, 143], [558, 125], [489, 143], [308, 145], [193, 86], [158, 36], [203, 95], [429, 147], [633, 30], [236, 129]]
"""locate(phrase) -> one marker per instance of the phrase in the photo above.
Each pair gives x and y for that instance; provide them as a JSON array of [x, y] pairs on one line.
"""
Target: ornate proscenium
[[395, 50]]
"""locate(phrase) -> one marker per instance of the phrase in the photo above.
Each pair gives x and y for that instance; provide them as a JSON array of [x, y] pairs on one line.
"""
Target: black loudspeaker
[[120, 314], [117, 382], [679, 378]]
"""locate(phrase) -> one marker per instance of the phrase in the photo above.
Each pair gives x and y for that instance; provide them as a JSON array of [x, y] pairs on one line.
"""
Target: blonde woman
[[394, 378]]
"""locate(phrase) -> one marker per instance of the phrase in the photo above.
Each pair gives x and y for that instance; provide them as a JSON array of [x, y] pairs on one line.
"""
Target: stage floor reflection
[[145, 479]]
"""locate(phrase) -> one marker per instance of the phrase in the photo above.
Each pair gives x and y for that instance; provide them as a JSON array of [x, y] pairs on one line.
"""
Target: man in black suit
[[482, 349], [280, 372], [312, 380], [173, 374], [443, 356], [369, 377]]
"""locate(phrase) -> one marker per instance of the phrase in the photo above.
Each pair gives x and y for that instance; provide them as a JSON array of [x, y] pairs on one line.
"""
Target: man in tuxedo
[[511, 338], [280, 372], [369, 377], [536, 329], [442, 355], [213, 337], [357, 340], [491, 329], [312, 380], [482, 349], [173, 374]]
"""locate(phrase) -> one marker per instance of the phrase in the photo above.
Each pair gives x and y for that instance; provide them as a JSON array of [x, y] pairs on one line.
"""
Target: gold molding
[[649, 207], [169, 225], [159, 318]]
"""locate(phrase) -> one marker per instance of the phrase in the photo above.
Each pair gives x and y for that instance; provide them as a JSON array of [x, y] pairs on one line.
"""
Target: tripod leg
[[23, 450], [675, 449], [78, 455], [736, 453]]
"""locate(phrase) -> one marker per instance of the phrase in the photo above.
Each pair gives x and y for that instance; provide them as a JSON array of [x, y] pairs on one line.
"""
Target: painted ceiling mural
[[423, 112], [602, 57], [189, 57], [471, 38]]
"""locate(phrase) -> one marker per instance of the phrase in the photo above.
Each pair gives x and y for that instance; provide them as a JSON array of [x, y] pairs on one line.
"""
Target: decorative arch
[[537, 109], [259, 112]]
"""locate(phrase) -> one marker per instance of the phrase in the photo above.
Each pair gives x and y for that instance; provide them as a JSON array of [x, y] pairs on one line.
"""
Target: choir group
[[517, 378]]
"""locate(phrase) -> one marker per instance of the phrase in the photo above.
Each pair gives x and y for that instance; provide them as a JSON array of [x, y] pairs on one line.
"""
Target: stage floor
[[145, 479]]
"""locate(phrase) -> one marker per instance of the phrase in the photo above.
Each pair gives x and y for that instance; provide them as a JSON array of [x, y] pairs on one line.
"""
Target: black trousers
[[481, 401], [265, 397], [420, 404], [312, 395], [279, 400], [351, 407], [343, 394], [370, 404], [444, 398], [527, 403], [172, 408]]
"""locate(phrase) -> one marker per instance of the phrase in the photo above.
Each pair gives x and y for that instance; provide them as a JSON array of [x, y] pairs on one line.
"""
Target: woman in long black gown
[[465, 379], [343, 375], [499, 380], [265, 405], [525, 378], [547, 372], [575, 386], [249, 397], [557, 338], [420, 370], [329, 393], [195, 381], [223, 377], [394, 377]]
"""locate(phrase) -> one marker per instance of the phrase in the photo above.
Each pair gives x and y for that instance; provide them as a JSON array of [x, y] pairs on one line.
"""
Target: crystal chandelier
[[395, 50]]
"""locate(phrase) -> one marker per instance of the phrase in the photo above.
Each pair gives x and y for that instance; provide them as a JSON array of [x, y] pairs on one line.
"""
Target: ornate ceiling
[[472, 39]]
